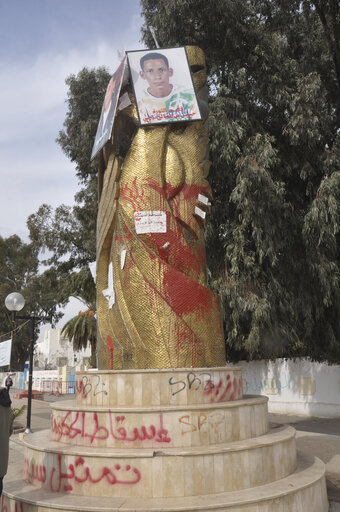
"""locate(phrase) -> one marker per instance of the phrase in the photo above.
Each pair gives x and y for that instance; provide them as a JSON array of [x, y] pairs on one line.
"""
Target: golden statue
[[156, 310]]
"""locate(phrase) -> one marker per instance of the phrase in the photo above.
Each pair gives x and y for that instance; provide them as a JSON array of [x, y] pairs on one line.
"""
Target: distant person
[[163, 101], [5, 431], [8, 382]]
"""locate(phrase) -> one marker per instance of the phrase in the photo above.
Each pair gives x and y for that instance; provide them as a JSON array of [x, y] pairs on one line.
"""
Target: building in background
[[57, 350]]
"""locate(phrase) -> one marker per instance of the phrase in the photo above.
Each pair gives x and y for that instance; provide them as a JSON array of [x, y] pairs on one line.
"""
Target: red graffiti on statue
[[224, 391], [110, 348], [77, 427], [135, 196], [63, 481]]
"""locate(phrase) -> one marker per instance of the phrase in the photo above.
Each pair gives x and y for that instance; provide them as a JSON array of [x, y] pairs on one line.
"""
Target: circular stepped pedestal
[[170, 440]]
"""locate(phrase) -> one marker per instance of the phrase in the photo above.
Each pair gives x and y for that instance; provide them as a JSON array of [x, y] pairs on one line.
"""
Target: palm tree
[[81, 330]]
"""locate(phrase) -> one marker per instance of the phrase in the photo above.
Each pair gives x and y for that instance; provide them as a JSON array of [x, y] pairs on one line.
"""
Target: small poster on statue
[[163, 86]]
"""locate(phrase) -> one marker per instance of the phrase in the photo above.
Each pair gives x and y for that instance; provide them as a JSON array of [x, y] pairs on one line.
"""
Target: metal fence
[[54, 386]]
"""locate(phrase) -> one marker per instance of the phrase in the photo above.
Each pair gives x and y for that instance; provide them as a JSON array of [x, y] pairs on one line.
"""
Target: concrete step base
[[163, 473], [302, 491]]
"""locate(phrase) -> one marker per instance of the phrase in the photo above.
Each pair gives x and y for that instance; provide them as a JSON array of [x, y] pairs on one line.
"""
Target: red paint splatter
[[224, 394], [177, 251], [172, 191], [186, 337], [185, 295], [225, 391], [134, 196]]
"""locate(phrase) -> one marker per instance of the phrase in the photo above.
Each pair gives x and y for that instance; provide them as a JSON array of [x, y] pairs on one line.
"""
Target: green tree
[[19, 271], [68, 234], [62, 234], [82, 330], [85, 96], [273, 239]]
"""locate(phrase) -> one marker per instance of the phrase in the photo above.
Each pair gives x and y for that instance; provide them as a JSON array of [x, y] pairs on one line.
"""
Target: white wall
[[296, 386]]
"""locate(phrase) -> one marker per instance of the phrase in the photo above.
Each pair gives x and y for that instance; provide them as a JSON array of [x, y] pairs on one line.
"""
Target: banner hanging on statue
[[5, 352], [110, 106]]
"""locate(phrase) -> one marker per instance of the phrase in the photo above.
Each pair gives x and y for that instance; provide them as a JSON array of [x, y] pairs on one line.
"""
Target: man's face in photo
[[157, 74]]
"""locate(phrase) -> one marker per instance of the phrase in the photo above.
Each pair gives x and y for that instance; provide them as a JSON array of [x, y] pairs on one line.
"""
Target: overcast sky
[[41, 43]]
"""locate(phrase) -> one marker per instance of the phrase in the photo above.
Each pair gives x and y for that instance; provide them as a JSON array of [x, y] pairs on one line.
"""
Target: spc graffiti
[[87, 385], [225, 390], [58, 480], [86, 425], [201, 421]]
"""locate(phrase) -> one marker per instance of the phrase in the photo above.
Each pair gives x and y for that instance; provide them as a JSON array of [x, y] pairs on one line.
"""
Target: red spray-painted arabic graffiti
[[79, 473], [18, 506], [79, 427], [135, 196], [224, 390]]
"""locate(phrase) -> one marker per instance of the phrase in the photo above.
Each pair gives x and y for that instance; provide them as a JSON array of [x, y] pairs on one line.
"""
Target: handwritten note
[[150, 222]]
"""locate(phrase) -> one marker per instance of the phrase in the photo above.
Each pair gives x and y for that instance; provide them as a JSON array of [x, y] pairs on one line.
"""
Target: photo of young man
[[161, 99]]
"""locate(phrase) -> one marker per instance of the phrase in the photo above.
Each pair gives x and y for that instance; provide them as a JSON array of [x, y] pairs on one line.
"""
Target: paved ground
[[329, 426], [316, 436], [40, 417]]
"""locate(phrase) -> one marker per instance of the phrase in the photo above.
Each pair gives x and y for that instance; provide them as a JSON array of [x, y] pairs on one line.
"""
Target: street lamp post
[[15, 302]]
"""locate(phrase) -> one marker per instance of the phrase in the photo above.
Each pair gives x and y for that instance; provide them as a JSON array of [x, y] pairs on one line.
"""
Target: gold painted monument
[[164, 315]]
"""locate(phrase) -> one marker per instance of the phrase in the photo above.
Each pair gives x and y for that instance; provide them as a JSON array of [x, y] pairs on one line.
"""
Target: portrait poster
[[109, 109], [163, 86]]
